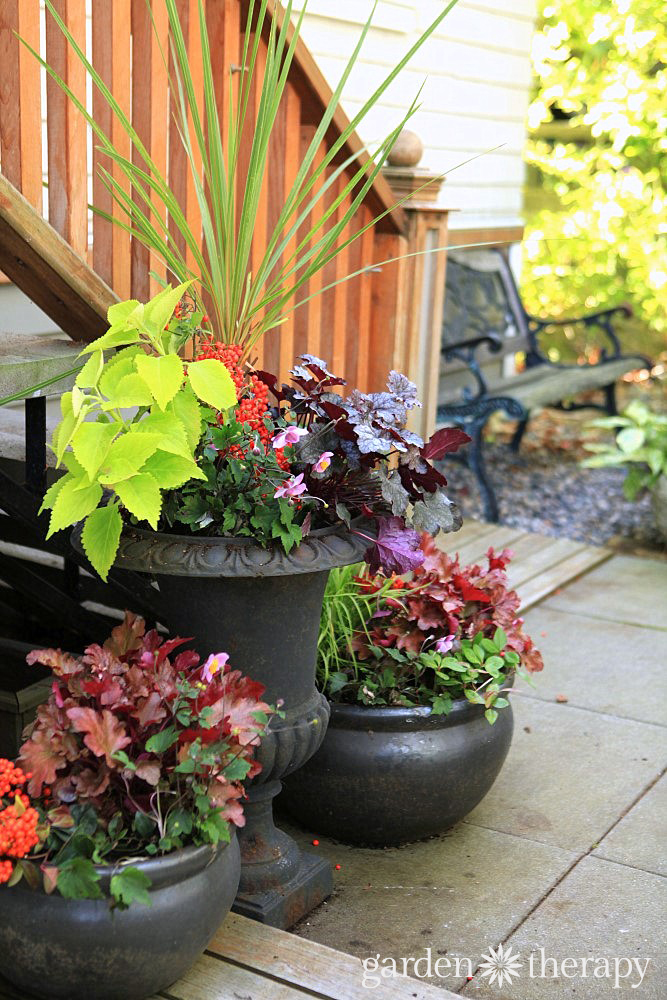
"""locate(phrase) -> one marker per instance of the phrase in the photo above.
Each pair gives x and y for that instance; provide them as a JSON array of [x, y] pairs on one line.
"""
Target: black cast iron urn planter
[[263, 608], [388, 776], [79, 949]]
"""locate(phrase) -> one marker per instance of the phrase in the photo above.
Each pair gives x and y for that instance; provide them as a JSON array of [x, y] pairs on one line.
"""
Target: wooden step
[[248, 959]]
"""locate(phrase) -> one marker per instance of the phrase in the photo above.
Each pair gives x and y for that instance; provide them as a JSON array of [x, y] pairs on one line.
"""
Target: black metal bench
[[485, 319]]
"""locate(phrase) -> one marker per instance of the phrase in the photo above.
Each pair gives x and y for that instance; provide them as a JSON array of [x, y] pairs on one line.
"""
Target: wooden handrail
[[359, 326], [44, 266]]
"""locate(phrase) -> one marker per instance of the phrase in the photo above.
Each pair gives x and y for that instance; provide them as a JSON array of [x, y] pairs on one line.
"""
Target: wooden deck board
[[541, 564]]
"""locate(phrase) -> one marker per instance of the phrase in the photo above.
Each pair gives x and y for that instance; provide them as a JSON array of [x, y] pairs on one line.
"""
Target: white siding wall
[[476, 76]]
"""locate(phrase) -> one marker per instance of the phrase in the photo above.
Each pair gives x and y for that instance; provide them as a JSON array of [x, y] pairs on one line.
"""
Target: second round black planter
[[387, 776], [263, 608]]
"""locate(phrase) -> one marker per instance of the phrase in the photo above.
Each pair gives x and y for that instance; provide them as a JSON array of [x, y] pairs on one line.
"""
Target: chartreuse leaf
[[126, 456], [163, 375], [186, 407], [212, 383], [171, 471], [100, 537], [91, 443], [129, 886], [74, 501], [51, 494], [131, 390], [77, 879], [62, 435], [123, 312], [172, 433], [89, 375], [161, 307], [117, 368], [141, 495], [114, 338]]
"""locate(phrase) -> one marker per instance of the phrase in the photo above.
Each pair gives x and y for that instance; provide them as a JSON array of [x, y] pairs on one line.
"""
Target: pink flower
[[444, 645], [293, 487], [214, 665], [289, 435], [323, 462]]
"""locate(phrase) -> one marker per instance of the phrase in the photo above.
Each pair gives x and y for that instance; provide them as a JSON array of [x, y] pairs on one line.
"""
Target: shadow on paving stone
[[550, 494]]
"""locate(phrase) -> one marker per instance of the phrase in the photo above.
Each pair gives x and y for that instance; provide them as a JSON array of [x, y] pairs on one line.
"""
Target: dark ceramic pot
[[79, 949], [263, 608], [386, 776]]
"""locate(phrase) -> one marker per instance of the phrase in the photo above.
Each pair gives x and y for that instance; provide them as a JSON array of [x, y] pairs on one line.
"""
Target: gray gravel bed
[[552, 495]]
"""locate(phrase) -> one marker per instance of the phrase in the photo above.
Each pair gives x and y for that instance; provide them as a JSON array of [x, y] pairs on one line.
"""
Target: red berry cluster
[[252, 394], [18, 819]]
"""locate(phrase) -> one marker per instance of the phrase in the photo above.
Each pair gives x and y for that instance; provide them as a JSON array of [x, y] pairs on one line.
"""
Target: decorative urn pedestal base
[[263, 608]]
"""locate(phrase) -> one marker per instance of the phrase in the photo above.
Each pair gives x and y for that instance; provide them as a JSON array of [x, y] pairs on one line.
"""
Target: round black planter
[[51, 947], [386, 776], [263, 608]]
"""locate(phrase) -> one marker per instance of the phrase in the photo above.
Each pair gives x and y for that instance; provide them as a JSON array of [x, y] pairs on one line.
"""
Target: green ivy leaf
[[91, 443], [163, 375], [129, 886], [126, 456], [141, 495], [100, 537], [500, 638], [491, 715], [171, 471], [162, 741], [77, 879], [212, 383], [74, 501]]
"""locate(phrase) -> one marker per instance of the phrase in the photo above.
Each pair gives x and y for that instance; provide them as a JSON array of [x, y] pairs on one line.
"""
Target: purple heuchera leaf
[[397, 548]]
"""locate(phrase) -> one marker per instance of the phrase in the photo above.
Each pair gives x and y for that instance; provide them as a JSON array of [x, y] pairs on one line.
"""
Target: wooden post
[[423, 274]]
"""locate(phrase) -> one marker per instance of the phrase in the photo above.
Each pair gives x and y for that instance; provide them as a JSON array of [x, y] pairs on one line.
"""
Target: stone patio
[[566, 853]]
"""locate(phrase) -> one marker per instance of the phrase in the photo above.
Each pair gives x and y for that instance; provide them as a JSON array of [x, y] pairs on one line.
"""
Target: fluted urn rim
[[207, 556]]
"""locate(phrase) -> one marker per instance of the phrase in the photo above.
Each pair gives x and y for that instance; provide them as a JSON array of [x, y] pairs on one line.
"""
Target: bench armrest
[[493, 341], [603, 320]]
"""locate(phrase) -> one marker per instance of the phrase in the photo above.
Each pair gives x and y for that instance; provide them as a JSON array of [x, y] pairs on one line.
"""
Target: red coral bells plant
[[448, 632], [136, 753]]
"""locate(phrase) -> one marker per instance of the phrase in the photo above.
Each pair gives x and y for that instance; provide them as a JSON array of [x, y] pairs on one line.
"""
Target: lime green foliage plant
[[244, 304], [599, 144], [131, 424], [641, 445]]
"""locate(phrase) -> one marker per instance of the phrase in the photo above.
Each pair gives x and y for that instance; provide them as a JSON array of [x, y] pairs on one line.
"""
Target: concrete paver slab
[[640, 839], [571, 775], [614, 668], [624, 589], [599, 911], [457, 895]]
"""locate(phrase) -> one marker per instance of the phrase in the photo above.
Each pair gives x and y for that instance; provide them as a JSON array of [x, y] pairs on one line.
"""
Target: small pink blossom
[[293, 487], [289, 435], [444, 645], [323, 462], [214, 665]]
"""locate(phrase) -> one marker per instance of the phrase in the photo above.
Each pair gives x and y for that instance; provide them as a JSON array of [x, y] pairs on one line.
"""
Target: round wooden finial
[[407, 151]]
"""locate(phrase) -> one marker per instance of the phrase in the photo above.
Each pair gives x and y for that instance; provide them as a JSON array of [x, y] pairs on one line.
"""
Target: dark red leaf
[[443, 442]]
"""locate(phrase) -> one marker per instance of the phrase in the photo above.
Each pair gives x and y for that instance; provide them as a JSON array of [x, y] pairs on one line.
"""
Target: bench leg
[[478, 466], [517, 437], [610, 399]]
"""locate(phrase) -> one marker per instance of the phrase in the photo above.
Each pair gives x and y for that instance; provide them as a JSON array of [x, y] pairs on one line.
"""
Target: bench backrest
[[481, 297]]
